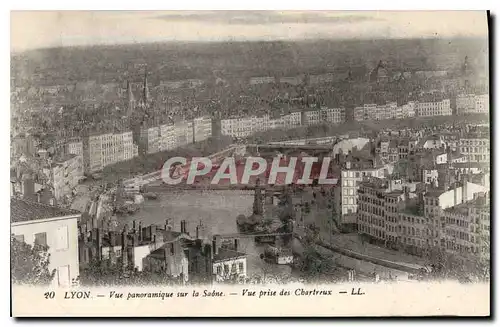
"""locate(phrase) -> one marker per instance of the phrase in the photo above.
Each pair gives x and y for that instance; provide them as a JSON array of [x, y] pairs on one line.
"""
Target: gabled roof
[[226, 254], [22, 210]]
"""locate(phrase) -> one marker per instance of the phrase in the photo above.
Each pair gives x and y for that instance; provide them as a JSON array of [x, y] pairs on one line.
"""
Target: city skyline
[[208, 156]]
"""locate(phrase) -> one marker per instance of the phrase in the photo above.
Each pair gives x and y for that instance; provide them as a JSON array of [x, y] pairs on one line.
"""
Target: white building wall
[[62, 240], [221, 276]]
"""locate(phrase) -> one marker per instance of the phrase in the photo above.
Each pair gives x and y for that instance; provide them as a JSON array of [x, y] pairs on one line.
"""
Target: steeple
[[145, 89], [257, 202], [130, 96]]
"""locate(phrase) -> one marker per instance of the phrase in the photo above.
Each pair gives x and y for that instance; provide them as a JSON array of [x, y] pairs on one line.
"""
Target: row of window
[[233, 269], [349, 200], [372, 231], [474, 142], [61, 239], [475, 149], [372, 220], [359, 174]]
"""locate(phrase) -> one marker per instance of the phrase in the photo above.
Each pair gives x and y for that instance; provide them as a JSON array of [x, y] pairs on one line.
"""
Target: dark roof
[[226, 254], [22, 210], [394, 193], [434, 193], [13, 175]]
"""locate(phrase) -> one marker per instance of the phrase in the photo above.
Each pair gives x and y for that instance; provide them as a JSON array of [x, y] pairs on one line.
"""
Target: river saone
[[217, 210]]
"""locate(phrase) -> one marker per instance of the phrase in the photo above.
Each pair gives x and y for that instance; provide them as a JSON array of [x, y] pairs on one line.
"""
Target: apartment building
[[168, 139], [346, 196], [202, 128], [408, 110], [472, 103], [149, 140], [330, 115], [390, 213], [229, 264], [184, 133], [373, 111], [75, 146], [64, 175], [408, 217], [430, 108], [333, 115], [52, 227], [101, 150], [475, 146], [312, 117], [244, 126], [365, 112], [437, 200], [467, 227], [380, 201], [291, 120]]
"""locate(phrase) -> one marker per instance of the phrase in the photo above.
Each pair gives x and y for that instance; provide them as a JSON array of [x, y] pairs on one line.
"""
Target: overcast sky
[[31, 30]]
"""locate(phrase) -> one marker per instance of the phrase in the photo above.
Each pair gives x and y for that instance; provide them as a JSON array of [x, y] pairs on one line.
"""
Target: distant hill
[[177, 61]]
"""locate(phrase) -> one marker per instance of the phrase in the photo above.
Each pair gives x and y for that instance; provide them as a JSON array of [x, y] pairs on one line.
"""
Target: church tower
[[258, 208], [145, 89], [130, 97]]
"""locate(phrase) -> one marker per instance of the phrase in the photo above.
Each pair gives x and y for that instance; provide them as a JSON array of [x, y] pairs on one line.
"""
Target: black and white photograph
[[181, 158]]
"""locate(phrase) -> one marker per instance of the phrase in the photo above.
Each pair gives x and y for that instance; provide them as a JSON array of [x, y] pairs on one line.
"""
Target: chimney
[[421, 202], [140, 231], [215, 248], [134, 226], [236, 241], [84, 232], [166, 224], [28, 189], [124, 247], [99, 243], [197, 232], [112, 238], [152, 231], [166, 252], [455, 195], [465, 180]]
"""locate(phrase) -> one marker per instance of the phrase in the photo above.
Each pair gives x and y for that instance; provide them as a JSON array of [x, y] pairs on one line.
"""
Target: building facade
[[347, 193], [64, 174], [475, 147], [472, 104], [433, 108], [52, 227], [101, 150], [202, 128]]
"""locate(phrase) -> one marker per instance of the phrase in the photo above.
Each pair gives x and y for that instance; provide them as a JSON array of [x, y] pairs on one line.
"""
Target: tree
[[30, 264], [316, 267], [105, 273]]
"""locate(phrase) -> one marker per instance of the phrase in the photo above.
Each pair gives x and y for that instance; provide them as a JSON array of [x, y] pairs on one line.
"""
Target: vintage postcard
[[250, 163]]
